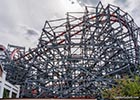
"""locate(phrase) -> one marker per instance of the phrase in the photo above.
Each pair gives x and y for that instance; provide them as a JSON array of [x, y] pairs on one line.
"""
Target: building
[[7, 90]]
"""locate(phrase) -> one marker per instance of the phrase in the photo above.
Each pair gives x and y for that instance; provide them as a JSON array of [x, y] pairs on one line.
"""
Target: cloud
[[23, 29], [32, 14], [31, 32], [88, 2], [21, 21], [129, 6]]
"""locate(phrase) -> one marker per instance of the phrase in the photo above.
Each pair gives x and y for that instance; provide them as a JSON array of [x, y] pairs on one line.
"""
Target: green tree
[[6, 93], [126, 87]]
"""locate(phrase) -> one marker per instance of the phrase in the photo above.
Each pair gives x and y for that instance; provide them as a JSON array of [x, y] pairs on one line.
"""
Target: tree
[[126, 88]]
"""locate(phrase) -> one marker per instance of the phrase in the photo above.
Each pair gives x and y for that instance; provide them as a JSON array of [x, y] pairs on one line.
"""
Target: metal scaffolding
[[79, 55]]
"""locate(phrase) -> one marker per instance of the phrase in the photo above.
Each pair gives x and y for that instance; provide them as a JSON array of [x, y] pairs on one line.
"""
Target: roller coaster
[[77, 56]]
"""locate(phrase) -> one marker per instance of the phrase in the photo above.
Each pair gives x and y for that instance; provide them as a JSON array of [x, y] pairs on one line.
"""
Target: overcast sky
[[21, 21]]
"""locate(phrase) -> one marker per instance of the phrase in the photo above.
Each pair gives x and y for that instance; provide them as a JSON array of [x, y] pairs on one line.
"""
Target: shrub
[[126, 87]]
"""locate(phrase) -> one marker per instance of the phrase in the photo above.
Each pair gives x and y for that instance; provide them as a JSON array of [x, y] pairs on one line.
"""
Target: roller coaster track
[[80, 56], [124, 22]]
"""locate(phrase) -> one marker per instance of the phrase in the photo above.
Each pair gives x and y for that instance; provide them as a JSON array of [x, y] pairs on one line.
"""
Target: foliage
[[6, 93], [126, 87]]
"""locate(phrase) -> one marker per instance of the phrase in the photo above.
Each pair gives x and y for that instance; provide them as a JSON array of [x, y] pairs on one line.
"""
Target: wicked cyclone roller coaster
[[77, 56]]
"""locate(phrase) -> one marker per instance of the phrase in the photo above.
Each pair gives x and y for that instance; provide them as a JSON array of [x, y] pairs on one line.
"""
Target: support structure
[[80, 55]]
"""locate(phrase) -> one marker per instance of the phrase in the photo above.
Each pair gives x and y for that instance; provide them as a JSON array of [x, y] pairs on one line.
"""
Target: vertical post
[[10, 94], [17, 96], [2, 84], [68, 46]]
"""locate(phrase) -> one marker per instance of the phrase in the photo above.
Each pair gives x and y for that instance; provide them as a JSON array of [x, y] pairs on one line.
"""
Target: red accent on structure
[[13, 53], [2, 48], [113, 19]]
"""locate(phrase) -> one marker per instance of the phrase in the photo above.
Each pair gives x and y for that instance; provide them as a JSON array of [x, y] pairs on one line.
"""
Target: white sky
[[21, 21]]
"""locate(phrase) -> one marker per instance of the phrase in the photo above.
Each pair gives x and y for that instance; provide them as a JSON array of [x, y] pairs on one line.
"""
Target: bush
[[126, 87]]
